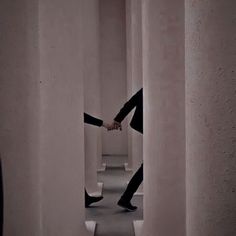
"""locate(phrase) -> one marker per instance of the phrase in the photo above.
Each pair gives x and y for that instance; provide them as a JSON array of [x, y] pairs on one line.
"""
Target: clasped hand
[[114, 125]]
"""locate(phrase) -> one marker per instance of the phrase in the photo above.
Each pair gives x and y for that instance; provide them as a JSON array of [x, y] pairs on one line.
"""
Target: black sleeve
[[92, 120], [129, 106]]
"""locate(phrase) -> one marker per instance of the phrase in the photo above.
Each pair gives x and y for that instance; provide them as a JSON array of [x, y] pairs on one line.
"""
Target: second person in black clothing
[[136, 101]]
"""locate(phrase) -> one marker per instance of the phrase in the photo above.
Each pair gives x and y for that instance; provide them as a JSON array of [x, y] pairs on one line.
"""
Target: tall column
[[19, 105], [134, 74], [92, 91], [62, 120], [164, 118], [211, 117], [137, 77], [129, 164], [113, 72], [101, 166]]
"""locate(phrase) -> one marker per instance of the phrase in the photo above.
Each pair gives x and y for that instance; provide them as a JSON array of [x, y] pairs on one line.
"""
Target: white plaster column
[[164, 118], [211, 117], [113, 72], [134, 76], [19, 119], [129, 164], [62, 120], [101, 166], [92, 96], [137, 78]]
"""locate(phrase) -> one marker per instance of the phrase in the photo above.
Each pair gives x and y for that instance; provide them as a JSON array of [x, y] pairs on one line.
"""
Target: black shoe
[[89, 200], [126, 205]]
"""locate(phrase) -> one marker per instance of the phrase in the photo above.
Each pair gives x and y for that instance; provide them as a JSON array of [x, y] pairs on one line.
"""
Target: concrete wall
[[91, 34], [129, 77], [136, 75], [19, 105], [41, 122], [61, 115], [211, 117], [113, 71], [92, 86], [164, 118]]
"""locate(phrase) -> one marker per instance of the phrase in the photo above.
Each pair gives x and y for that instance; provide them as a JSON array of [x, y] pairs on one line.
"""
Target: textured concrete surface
[[129, 163], [133, 11], [111, 219], [19, 105], [211, 117], [164, 118], [41, 122], [113, 71], [61, 118], [92, 90]]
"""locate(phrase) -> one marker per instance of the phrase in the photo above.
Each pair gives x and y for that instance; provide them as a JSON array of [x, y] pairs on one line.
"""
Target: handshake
[[114, 125]]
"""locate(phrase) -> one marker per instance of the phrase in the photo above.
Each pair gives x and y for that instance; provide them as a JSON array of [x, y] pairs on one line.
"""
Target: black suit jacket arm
[[128, 107], [92, 120]]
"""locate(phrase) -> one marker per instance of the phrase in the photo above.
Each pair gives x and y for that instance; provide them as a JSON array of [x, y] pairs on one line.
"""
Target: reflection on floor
[[111, 219]]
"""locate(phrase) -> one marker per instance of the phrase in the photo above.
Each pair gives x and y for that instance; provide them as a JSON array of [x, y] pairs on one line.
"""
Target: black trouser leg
[[86, 195], [133, 185]]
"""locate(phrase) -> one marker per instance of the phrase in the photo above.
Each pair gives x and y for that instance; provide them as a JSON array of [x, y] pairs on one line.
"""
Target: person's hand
[[115, 125], [106, 125]]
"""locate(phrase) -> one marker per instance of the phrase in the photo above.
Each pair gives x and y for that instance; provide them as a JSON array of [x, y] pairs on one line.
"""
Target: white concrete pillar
[[129, 164], [211, 117], [164, 118], [137, 78], [134, 76], [41, 123], [19, 119], [101, 166], [136, 46], [113, 72], [62, 120], [91, 160], [92, 96]]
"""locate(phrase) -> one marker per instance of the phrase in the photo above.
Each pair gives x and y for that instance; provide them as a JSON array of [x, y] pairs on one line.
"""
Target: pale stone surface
[[129, 164], [164, 118], [100, 164], [42, 119], [137, 78], [134, 76], [91, 158], [113, 72], [92, 95], [19, 119], [138, 226], [137, 154], [61, 117], [211, 117], [91, 226]]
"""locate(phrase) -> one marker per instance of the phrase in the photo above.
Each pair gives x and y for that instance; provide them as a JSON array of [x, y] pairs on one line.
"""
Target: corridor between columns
[[60, 60], [111, 219]]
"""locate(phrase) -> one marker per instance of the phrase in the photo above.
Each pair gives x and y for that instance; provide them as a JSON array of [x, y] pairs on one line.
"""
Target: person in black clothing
[[97, 122], [136, 101], [88, 119]]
